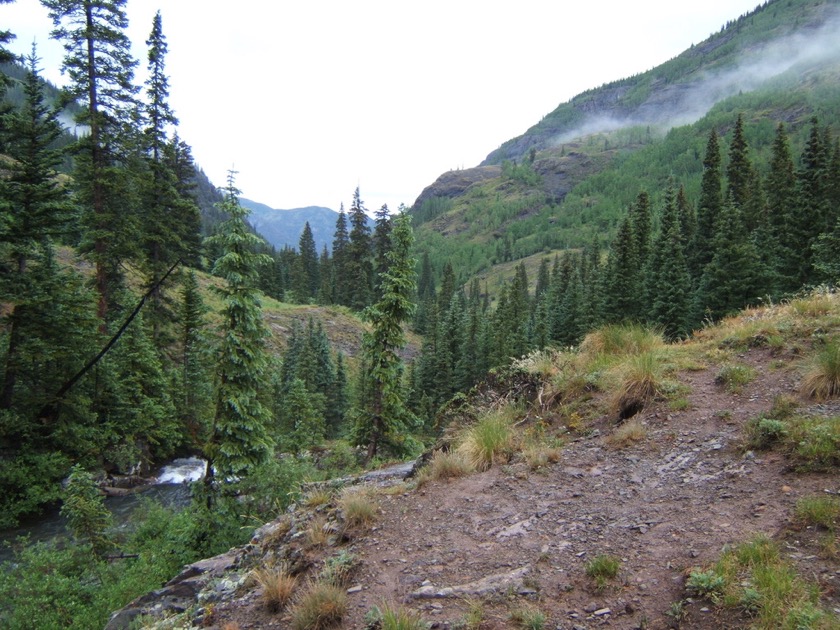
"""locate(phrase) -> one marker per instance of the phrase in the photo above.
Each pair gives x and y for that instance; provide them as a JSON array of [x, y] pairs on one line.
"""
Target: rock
[[490, 585], [602, 611], [590, 608]]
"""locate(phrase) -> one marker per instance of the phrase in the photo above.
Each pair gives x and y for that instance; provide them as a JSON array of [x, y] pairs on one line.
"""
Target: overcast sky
[[308, 99]]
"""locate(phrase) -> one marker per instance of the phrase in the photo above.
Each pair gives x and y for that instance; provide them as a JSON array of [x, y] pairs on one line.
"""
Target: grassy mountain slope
[[579, 168]]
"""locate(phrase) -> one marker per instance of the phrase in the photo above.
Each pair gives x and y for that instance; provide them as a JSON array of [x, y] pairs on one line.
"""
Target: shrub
[[762, 433], [622, 339], [339, 569], [815, 442], [754, 576], [640, 377], [823, 379], [322, 606]]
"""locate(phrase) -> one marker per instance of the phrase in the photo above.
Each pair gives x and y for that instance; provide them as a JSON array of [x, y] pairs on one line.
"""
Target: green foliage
[[755, 577], [240, 439], [84, 508], [381, 417], [821, 511]]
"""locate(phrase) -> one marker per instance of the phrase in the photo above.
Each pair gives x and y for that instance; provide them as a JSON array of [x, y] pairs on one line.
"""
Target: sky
[[308, 99]]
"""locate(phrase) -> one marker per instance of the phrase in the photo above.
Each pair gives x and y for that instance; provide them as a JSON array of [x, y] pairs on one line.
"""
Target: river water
[[170, 487]]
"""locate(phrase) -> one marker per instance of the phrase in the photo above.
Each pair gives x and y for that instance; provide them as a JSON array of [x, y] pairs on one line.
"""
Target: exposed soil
[[663, 505]]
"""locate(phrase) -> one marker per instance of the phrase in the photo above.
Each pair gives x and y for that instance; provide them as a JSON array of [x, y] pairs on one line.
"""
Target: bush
[[277, 586], [387, 617]]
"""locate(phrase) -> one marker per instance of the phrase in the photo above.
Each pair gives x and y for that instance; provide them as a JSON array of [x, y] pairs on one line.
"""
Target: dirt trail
[[663, 505]]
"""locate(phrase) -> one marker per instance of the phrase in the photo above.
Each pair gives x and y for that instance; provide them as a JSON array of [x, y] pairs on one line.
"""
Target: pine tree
[[739, 169], [359, 268], [101, 71], [708, 208], [194, 405], [641, 225], [381, 242], [34, 211], [621, 281], [162, 204], [340, 252], [303, 417], [240, 439], [382, 418], [812, 198], [305, 274], [733, 278], [780, 189]]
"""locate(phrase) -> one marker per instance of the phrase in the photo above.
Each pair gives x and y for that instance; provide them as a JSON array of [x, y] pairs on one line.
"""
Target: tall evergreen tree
[[240, 439], [194, 404], [35, 210], [708, 208], [359, 268], [340, 252], [621, 281], [739, 169], [381, 417], [101, 70], [305, 274], [381, 242]]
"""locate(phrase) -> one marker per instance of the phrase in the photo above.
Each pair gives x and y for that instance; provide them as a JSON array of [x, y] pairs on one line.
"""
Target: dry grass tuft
[[628, 433], [640, 378], [823, 379], [490, 440], [445, 465], [321, 606], [277, 585], [358, 507]]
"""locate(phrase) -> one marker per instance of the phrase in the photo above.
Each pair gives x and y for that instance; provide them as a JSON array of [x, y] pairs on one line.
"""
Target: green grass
[[387, 617], [819, 511], [755, 578], [528, 618], [603, 568]]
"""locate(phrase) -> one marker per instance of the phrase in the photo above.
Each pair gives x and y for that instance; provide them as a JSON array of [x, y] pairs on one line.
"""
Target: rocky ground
[[512, 537]]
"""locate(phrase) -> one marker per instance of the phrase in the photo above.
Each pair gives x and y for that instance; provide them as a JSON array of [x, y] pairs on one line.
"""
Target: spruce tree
[[305, 273], [359, 268], [239, 438], [194, 404], [340, 252], [35, 210], [739, 169], [381, 242], [622, 276], [99, 64], [708, 208], [381, 418]]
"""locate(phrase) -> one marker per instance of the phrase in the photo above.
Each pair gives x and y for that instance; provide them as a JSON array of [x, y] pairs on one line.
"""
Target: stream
[[170, 486]]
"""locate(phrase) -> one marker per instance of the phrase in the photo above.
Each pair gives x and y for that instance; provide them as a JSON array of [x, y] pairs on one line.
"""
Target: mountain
[[567, 181], [282, 228]]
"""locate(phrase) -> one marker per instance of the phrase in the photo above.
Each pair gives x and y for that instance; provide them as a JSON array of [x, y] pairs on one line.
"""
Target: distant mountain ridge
[[282, 228]]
